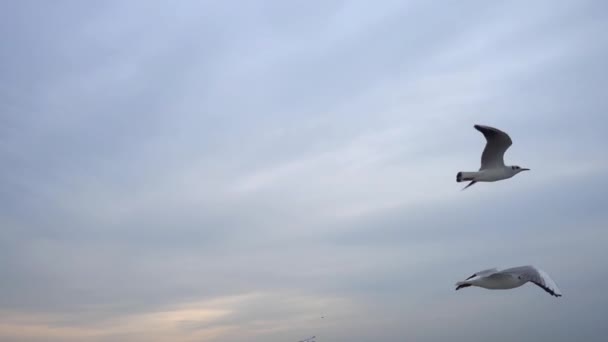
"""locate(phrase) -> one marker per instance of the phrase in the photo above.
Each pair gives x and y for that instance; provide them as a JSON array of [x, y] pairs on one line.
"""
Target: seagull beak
[[525, 169]]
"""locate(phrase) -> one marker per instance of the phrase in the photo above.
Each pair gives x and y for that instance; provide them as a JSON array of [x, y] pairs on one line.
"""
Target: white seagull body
[[511, 278], [493, 167]]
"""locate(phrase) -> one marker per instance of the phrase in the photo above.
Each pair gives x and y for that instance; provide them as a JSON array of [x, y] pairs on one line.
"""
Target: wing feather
[[497, 143]]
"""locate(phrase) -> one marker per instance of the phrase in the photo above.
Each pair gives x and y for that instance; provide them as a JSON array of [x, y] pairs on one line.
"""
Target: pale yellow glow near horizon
[[160, 325], [207, 320]]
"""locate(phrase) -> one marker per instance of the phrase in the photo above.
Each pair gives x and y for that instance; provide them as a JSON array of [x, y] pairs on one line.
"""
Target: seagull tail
[[465, 176]]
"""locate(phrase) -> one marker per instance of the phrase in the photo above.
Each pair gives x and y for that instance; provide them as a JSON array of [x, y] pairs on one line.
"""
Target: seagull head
[[518, 169]]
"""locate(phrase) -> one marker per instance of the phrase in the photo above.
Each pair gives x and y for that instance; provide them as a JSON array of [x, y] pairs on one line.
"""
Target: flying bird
[[493, 167], [511, 278]]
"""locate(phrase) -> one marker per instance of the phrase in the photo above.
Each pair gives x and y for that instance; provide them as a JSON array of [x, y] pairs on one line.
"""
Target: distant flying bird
[[493, 167], [511, 278]]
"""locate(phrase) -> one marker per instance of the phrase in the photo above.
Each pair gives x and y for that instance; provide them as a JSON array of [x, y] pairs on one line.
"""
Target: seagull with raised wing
[[493, 167], [511, 278]]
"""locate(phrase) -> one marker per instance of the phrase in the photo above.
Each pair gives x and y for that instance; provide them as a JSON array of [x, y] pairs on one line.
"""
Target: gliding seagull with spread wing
[[493, 167], [511, 278]]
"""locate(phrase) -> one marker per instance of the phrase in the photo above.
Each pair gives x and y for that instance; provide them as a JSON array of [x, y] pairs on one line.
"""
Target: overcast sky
[[232, 171]]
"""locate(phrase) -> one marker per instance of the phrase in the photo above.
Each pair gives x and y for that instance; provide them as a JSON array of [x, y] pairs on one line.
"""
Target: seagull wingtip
[[483, 128], [480, 128]]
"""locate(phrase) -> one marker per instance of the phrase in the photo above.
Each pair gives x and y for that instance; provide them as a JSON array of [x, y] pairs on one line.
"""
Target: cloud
[[232, 172]]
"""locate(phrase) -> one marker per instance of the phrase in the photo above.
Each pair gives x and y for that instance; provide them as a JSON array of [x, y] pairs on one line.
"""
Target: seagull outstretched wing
[[536, 276], [497, 143], [483, 273]]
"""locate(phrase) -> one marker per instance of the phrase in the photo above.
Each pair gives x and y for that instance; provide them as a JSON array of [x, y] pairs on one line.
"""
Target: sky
[[232, 171]]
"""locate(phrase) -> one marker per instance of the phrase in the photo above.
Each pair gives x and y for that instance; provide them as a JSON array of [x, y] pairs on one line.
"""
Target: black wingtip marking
[[461, 286], [548, 290], [473, 276], [480, 128], [488, 131]]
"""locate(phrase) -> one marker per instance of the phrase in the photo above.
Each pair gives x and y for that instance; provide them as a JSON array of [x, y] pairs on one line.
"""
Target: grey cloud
[[156, 155]]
